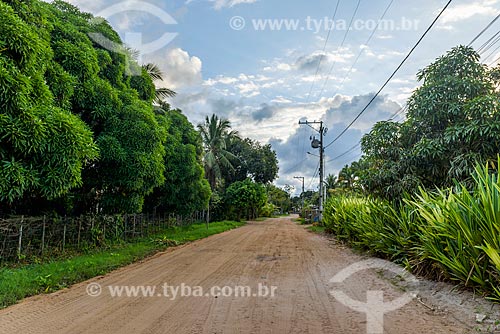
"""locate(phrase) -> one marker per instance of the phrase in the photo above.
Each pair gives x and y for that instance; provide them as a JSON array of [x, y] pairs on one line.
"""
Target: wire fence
[[25, 237]]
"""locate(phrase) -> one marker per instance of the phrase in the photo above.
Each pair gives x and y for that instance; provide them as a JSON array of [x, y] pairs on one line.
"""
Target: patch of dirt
[[275, 252]]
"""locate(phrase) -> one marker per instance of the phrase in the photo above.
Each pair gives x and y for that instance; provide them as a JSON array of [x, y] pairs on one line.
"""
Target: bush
[[453, 234]]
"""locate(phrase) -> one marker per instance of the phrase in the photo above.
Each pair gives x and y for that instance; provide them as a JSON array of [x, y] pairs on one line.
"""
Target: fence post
[[104, 228], [79, 231], [92, 230], [64, 234], [43, 235], [133, 231], [142, 226], [19, 245], [125, 218]]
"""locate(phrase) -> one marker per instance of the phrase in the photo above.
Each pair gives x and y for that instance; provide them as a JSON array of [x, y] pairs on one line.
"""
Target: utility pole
[[315, 143], [301, 194]]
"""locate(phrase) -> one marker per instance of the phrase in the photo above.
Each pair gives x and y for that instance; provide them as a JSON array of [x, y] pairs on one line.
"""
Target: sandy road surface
[[276, 252]]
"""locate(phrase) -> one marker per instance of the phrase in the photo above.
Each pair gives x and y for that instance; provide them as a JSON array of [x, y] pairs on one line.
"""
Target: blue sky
[[261, 80]]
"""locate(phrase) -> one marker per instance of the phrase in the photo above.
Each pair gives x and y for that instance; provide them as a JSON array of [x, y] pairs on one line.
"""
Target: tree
[[254, 160], [330, 183], [278, 197], [155, 74], [78, 129], [185, 189], [246, 197], [215, 134], [453, 122], [43, 147]]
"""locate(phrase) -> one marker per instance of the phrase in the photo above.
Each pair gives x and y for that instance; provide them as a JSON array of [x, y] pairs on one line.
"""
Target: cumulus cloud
[[309, 62], [180, 69], [264, 112], [292, 151], [223, 107], [467, 10]]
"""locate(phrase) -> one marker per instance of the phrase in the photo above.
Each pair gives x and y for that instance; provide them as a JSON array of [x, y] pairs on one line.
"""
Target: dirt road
[[276, 252]]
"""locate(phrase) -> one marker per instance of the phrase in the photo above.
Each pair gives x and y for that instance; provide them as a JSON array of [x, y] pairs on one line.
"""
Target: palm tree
[[330, 183], [156, 74], [216, 133]]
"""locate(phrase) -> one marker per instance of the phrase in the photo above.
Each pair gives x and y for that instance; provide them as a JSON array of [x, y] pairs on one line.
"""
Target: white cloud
[[384, 36], [219, 4], [221, 80], [248, 89], [180, 69], [464, 11], [281, 99]]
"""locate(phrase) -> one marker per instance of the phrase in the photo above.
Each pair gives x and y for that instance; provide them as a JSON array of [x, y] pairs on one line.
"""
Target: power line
[[489, 46], [314, 176], [487, 42], [494, 61], [400, 111], [392, 75], [484, 30], [492, 53], [352, 149], [362, 50], [295, 166], [340, 47], [324, 49]]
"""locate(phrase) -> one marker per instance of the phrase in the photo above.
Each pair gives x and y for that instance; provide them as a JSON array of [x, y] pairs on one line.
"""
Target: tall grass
[[452, 234]]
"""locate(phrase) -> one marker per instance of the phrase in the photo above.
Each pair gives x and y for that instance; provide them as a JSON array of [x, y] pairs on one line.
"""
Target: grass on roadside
[[316, 229], [301, 221], [18, 283]]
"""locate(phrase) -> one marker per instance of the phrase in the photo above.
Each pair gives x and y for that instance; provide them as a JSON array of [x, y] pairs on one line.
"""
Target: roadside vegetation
[[426, 192], [86, 130], [23, 281]]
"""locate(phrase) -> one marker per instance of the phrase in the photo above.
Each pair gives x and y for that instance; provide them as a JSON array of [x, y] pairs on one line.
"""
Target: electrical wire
[[352, 149], [314, 176], [487, 42], [392, 75], [339, 48], [484, 30], [363, 50], [400, 112], [492, 53], [323, 52], [489, 46], [295, 166]]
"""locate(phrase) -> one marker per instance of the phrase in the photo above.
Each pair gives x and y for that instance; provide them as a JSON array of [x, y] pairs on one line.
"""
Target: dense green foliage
[[253, 160], [279, 198], [84, 129], [246, 198], [453, 122], [216, 133], [186, 189], [452, 234], [237, 169], [78, 131], [43, 147], [426, 191]]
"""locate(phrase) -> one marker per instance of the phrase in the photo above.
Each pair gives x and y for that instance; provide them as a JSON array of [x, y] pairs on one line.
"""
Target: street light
[[313, 154]]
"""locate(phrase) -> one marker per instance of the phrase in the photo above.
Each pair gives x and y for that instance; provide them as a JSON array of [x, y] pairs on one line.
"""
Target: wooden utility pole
[[315, 143]]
